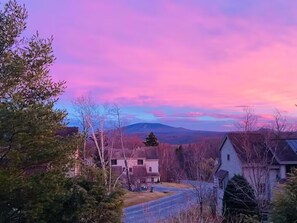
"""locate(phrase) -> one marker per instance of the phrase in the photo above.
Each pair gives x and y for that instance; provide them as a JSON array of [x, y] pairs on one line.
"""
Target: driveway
[[162, 208]]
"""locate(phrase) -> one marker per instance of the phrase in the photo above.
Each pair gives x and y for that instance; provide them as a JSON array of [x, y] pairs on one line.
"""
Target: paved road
[[162, 208]]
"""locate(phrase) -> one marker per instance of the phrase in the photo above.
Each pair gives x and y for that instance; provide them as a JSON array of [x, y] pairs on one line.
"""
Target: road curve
[[162, 208]]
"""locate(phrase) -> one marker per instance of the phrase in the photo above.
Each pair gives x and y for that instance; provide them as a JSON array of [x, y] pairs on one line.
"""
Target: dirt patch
[[133, 198], [176, 185]]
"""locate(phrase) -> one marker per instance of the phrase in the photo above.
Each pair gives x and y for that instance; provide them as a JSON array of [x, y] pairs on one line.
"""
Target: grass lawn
[[132, 198], [176, 185]]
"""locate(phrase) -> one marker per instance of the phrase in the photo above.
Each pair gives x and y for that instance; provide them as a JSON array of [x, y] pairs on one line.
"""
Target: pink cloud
[[188, 54], [159, 114]]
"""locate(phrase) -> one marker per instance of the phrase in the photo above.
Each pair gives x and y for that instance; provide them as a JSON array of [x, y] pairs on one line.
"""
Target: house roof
[[250, 147], [284, 150], [67, 131], [143, 152], [257, 146]]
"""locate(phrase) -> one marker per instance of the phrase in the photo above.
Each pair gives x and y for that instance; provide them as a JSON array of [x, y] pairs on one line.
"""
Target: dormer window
[[139, 162], [114, 162], [150, 169], [228, 157]]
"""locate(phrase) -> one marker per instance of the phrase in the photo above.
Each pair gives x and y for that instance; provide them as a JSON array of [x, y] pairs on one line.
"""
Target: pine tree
[[29, 123], [151, 140], [285, 202], [34, 159], [239, 200], [179, 152]]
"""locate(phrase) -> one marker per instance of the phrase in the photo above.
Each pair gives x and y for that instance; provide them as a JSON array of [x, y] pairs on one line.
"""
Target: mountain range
[[169, 134]]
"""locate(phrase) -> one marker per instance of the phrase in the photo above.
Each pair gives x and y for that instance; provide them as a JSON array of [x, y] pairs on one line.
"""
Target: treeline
[[192, 161]]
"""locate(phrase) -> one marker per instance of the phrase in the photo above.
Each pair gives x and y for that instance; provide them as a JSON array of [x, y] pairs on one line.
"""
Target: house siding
[[283, 171], [130, 162], [233, 165], [274, 175], [154, 164], [256, 176]]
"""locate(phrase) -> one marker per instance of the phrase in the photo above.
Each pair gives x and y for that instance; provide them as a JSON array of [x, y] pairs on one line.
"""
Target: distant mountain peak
[[152, 127], [168, 134], [148, 124]]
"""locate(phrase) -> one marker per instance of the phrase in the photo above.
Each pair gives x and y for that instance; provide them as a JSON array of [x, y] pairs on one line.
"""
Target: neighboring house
[[143, 164], [64, 133], [43, 167], [263, 158]]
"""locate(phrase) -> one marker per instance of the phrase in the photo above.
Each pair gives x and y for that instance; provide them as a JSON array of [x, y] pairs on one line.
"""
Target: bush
[[239, 201], [285, 201]]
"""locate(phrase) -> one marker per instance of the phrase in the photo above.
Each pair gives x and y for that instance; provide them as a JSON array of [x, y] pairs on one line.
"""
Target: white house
[[64, 133], [263, 158], [143, 164]]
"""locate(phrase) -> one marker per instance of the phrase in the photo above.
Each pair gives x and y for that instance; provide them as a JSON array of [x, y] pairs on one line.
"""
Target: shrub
[[239, 201]]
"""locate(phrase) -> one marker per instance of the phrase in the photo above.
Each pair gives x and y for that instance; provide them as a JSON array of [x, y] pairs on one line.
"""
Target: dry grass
[[193, 215], [176, 185], [133, 198]]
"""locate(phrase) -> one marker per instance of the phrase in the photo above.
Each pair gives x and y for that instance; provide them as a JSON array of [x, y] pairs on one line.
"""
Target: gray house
[[263, 158]]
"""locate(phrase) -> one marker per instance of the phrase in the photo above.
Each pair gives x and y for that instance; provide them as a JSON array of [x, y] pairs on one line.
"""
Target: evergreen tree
[[151, 140], [239, 200], [34, 159], [285, 202], [179, 152], [28, 123]]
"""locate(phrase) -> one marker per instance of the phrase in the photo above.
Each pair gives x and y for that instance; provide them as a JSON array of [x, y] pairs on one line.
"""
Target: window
[[228, 156], [114, 162], [124, 168], [289, 168], [152, 179], [139, 162], [150, 169], [130, 170]]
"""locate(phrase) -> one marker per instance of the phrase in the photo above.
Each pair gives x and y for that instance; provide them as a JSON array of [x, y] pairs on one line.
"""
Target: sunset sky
[[193, 64]]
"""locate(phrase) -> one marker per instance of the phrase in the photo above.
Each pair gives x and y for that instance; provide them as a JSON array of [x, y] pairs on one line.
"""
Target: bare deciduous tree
[[249, 121], [257, 150], [83, 106], [117, 113], [93, 117], [170, 170]]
